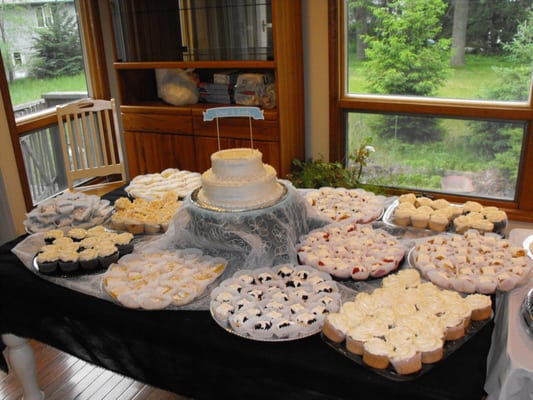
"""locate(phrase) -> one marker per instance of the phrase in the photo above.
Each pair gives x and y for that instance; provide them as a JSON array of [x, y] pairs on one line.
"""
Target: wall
[[11, 180], [315, 34]]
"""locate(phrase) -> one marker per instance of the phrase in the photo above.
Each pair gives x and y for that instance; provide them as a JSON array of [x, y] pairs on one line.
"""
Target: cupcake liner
[[286, 329], [308, 322], [68, 266], [259, 328], [48, 267], [124, 249], [222, 311], [89, 265], [238, 322], [108, 260]]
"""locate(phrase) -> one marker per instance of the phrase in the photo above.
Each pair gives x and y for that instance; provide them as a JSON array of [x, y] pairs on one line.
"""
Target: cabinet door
[[205, 146], [158, 122], [150, 152]]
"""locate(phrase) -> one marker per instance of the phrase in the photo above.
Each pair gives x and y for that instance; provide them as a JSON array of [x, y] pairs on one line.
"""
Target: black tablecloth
[[188, 353]]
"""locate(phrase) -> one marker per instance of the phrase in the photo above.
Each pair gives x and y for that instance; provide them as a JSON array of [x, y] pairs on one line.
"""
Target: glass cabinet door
[[192, 30]]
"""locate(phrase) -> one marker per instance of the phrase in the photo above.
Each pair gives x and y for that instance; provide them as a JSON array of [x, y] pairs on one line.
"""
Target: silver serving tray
[[450, 347], [527, 310], [527, 244], [389, 220]]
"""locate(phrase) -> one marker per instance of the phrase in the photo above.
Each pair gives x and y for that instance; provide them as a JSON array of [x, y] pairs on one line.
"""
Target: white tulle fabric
[[252, 239]]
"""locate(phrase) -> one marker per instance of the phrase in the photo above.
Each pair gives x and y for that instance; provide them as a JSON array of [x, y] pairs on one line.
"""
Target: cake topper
[[211, 114]]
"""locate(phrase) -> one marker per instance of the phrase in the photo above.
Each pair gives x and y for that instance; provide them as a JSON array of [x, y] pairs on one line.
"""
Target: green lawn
[[464, 82], [30, 89]]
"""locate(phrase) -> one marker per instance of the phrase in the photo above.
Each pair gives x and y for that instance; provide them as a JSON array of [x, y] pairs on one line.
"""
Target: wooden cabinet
[[159, 135]]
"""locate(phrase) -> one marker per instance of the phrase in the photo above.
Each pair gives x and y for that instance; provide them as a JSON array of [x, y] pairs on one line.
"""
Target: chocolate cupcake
[[124, 243], [89, 242], [107, 254], [47, 262], [52, 235], [68, 261], [77, 234], [95, 230], [88, 259]]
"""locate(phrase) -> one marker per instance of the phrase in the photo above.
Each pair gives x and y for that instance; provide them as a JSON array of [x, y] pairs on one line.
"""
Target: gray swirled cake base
[[251, 239]]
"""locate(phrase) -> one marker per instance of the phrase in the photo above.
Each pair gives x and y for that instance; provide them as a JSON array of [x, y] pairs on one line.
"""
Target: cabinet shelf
[[196, 65]]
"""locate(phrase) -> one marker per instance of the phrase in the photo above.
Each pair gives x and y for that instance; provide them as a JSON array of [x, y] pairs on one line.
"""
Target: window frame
[[98, 85], [341, 103]]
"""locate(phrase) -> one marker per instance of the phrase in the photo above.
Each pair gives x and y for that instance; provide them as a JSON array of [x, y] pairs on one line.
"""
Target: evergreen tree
[[407, 57], [57, 47]]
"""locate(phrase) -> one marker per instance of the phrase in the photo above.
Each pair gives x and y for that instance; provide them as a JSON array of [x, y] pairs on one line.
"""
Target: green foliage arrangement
[[58, 48], [314, 174]]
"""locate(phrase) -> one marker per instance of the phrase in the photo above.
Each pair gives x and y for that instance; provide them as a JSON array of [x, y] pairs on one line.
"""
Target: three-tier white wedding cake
[[239, 180]]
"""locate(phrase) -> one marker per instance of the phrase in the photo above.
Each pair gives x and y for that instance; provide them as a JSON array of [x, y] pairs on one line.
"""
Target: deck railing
[[41, 149]]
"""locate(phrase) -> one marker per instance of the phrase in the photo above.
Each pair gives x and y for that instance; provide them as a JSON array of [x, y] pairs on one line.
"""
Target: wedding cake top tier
[[237, 164]]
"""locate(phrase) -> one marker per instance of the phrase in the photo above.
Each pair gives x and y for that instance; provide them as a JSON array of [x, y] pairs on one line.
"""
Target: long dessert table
[[186, 352]]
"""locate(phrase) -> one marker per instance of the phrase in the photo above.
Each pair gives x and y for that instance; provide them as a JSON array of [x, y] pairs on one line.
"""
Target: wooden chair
[[92, 148]]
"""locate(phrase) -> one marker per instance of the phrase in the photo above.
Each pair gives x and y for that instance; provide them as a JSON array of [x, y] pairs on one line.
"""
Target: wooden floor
[[63, 377]]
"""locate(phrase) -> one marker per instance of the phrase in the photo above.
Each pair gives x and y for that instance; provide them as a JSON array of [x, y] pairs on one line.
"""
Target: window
[[44, 16], [17, 58], [47, 78], [54, 74], [441, 90]]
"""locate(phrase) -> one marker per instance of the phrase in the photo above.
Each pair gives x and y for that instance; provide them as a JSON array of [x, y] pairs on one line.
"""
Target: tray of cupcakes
[[68, 210], [283, 303], [351, 252], [403, 328], [439, 215], [80, 251], [140, 216], [471, 262], [155, 279], [339, 204], [156, 186]]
